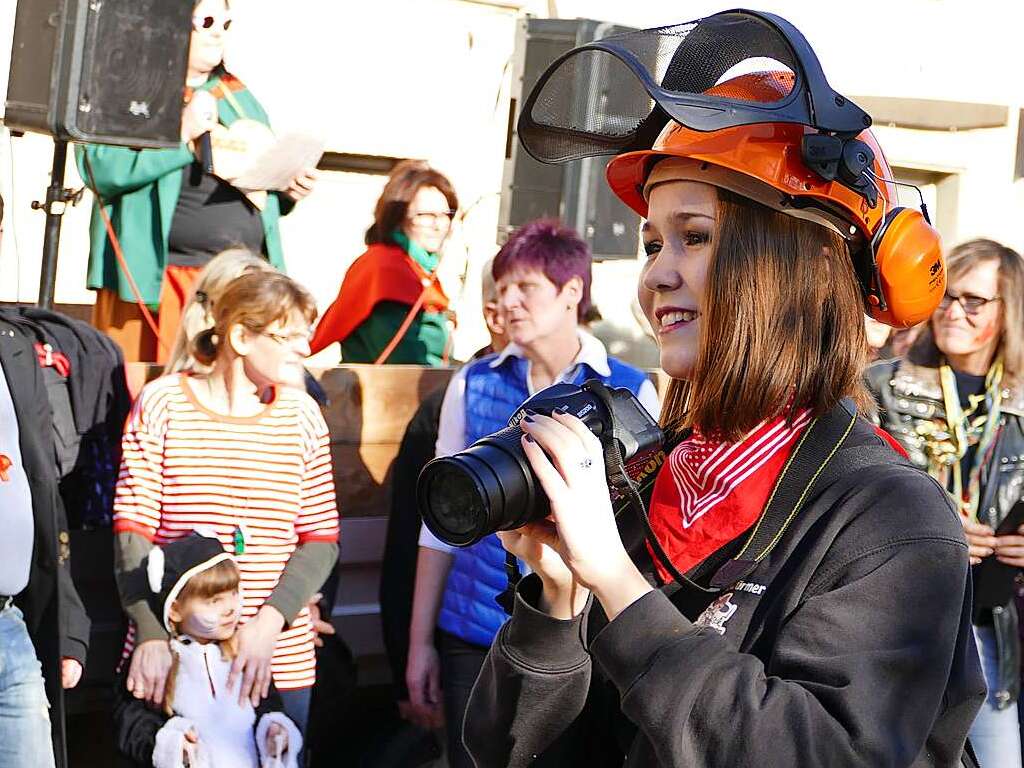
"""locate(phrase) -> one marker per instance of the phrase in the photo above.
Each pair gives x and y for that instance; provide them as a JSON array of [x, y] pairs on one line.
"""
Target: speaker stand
[[57, 199]]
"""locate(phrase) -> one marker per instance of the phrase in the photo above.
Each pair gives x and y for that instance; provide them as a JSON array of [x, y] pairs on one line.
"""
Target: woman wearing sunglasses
[[391, 307], [956, 404], [169, 214], [800, 594]]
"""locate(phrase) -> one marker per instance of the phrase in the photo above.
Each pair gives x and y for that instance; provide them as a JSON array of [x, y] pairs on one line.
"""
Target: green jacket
[[140, 189]]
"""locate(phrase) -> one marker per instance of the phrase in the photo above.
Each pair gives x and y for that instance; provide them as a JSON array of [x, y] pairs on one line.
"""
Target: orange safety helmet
[[896, 251]]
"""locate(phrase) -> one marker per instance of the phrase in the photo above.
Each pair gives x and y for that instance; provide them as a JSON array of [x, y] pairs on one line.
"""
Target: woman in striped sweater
[[231, 451]]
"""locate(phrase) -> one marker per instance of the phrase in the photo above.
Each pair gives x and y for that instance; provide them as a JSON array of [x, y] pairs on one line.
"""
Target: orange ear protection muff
[[901, 269], [908, 272]]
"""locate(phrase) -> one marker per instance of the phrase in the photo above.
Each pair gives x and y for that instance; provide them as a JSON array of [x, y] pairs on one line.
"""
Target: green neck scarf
[[419, 254]]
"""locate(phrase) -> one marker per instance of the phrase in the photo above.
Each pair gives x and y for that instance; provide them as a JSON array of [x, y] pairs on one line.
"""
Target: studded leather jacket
[[911, 409]]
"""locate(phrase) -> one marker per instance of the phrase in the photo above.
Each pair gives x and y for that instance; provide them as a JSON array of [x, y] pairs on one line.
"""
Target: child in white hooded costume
[[195, 586]]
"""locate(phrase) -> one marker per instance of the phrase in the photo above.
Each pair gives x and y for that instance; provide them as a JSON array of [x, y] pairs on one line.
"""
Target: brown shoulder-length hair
[[255, 300], [782, 324], [962, 259], [406, 179]]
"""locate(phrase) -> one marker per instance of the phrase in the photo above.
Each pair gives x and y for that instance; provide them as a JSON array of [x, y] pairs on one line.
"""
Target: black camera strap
[[815, 449], [507, 597]]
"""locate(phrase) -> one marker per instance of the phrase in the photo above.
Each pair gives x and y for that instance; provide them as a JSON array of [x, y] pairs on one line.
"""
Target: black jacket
[[850, 644], [53, 610], [398, 567], [909, 398]]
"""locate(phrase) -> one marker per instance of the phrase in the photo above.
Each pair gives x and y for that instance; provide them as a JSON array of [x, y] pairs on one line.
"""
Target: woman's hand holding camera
[[980, 538], [578, 545]]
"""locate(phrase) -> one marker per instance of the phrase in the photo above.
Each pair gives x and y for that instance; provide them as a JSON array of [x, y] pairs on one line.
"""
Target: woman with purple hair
[[543, 281]]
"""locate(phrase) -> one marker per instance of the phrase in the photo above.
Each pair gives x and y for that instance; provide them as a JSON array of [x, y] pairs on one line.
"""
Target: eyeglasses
[[200, 23], [436, 220], [289, 339], [971, 305]]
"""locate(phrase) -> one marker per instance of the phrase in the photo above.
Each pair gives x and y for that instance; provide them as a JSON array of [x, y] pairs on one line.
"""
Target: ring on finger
[[587, 463]]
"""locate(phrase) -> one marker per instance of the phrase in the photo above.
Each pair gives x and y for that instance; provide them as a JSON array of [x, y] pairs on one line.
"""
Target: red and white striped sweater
[[268, 475]]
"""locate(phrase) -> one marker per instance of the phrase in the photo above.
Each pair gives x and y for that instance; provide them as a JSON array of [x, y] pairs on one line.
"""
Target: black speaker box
[[575, 192], [102, 71]]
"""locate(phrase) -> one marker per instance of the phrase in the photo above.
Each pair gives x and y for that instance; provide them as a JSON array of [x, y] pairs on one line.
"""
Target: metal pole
[[56, 202]]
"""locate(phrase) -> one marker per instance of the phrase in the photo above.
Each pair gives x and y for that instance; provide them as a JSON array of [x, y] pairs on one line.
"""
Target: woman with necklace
[[956, 404], [233, 451]]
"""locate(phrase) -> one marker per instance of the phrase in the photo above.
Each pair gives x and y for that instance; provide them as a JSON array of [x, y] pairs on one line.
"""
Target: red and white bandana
[[710, 491]]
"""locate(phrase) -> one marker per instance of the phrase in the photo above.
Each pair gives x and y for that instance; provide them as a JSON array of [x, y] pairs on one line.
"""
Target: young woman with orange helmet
[[796, 593]]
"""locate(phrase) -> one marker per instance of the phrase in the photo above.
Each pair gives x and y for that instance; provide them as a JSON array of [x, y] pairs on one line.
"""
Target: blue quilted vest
[[477, 576]]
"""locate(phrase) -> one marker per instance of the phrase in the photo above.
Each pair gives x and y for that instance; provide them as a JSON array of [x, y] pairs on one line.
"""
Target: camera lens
[[456, 502], [491, 487], [486, 488]]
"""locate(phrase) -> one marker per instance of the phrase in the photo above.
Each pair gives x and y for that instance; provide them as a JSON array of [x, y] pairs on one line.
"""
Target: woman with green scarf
[[391, 307], [956, 403]]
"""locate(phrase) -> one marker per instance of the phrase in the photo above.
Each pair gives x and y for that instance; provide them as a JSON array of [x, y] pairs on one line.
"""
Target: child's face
[[207, 618]]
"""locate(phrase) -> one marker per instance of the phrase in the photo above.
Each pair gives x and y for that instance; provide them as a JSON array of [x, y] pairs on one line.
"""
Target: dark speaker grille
[[133, 70], [105, 71]]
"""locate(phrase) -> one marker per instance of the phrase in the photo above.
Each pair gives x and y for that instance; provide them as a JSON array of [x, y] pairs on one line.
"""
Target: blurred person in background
[[877, 335], [169, 215], [44, 630], [391, 307], [398, 569], [196, 451], [198, 313], [956, 403], [543, 277], [902, 339]]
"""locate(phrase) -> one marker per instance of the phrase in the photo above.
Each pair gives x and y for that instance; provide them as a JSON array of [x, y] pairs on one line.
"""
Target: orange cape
[[384, 273]]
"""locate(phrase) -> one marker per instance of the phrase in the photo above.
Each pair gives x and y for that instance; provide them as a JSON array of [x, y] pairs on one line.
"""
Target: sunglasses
[[200, 23]]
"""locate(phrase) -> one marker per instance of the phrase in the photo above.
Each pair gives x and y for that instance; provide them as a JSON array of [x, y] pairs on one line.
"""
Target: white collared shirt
[[451, 431]]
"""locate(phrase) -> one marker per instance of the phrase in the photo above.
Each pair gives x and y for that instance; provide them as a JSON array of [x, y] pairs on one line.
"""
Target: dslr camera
[[490, 486]]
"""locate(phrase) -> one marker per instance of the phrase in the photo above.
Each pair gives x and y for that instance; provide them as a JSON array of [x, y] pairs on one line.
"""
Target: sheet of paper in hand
[[235, 149], [276, 166]]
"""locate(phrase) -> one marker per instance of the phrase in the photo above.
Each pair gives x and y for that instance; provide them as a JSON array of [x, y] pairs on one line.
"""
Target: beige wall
[[430, 79]]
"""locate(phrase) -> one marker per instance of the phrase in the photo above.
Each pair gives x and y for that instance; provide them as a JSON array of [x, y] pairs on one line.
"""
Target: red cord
[[400, 333], [120, 256]]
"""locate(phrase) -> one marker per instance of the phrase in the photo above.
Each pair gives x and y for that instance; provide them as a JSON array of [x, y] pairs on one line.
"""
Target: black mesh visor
[[616, 94]]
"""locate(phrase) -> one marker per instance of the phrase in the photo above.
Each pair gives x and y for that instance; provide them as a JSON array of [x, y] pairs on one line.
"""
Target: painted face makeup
[[212, 619]]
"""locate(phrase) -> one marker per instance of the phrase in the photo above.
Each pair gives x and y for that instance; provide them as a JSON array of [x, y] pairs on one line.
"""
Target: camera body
[[490, 486]]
